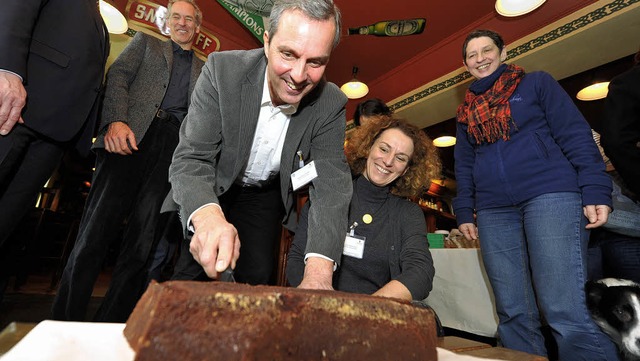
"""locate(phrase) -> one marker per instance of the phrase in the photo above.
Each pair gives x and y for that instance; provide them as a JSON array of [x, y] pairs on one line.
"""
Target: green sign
[[251, 21]]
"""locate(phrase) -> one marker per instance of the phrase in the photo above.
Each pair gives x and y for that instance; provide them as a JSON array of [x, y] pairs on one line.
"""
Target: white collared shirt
[[10, 72], [268, 140]]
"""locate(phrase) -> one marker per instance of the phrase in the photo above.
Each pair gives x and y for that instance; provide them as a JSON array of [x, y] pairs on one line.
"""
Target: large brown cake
[[183, 320]]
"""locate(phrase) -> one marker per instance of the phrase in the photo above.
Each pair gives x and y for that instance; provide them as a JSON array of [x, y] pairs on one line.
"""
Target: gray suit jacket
[[216, 139], [136, 84]]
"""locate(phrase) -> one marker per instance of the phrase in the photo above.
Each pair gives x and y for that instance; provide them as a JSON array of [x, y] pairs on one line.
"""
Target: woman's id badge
[[354, 246]]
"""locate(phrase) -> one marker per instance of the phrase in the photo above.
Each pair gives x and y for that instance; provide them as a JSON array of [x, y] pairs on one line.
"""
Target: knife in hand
[[227, 275]]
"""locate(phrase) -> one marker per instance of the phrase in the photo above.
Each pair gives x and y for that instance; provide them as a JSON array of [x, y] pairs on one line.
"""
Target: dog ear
[[594, 292]]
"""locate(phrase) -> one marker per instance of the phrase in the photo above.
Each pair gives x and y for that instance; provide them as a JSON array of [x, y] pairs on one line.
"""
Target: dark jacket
[[621, 127], [59, 48], [402, 232]]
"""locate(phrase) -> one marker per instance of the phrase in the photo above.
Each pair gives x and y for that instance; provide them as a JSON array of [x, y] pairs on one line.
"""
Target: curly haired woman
[[386, 252]]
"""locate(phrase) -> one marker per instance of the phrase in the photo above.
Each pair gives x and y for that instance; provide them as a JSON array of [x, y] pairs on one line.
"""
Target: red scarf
[[488, 114]]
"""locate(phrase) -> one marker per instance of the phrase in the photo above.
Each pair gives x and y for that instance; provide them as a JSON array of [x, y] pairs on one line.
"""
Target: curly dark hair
[[423, 166]]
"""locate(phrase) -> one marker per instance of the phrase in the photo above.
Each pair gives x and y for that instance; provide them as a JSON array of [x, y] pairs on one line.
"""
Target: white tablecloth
[[72, 341], [462, 296]]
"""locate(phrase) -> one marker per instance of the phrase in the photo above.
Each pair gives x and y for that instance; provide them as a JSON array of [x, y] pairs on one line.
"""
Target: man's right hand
[[13, 98], [215, 244], [120, 139]]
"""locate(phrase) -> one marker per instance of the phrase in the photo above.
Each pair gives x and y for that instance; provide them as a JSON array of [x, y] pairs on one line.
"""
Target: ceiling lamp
[[594, 91], [355, 89], [444, 141], [113, 18], [512, 8]]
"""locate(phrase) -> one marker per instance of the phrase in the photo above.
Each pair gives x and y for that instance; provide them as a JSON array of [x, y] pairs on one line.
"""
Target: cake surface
[[189, 320]]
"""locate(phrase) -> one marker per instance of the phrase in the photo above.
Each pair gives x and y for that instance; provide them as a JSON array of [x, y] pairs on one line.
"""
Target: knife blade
[[227, 275]]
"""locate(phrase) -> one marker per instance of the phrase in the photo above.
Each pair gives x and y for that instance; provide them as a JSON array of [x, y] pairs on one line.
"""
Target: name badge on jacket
[[303, 175], [354, 246]]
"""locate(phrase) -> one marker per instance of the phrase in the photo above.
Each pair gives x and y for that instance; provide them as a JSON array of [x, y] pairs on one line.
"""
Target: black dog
[[614, 305]]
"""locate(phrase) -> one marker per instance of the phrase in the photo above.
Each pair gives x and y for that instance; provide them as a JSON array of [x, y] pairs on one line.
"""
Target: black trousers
[[27, 160], [126, 190], [257, 214], [163, 258]]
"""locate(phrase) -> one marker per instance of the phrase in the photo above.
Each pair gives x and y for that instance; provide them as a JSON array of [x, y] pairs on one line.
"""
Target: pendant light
[[444, 141], [594, 91], [355, 89], [511, 8], [113, 18]]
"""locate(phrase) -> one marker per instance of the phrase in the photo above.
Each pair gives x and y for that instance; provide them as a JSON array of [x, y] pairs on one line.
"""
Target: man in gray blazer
[[147, 95], [255, 116]]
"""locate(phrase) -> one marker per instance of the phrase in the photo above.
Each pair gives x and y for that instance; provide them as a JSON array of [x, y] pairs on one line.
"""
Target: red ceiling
[[394, 66]]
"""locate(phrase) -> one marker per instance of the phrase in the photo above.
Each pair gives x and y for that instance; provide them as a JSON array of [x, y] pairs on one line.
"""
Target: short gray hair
[[319, 10], [195, 6]]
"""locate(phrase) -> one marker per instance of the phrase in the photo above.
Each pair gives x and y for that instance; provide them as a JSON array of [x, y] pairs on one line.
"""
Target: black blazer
[[621, 127], [59, 48]]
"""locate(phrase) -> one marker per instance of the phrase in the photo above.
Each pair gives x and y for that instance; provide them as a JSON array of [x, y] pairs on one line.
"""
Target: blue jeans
[[535, 256], [625, 218], [614, 255]]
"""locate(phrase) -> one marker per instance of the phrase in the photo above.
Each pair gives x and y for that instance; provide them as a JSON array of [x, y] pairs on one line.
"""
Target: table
[[71, 341], [12, 334], [501, 353], [65, 341], [459, 344], [469, 348], [462, 296]]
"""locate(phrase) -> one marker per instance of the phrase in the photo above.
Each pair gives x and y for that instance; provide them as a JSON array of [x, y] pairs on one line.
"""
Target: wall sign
[[254, 22]]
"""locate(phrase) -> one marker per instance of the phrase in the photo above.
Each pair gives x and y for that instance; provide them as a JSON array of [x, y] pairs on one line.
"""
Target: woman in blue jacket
[[526, 165]]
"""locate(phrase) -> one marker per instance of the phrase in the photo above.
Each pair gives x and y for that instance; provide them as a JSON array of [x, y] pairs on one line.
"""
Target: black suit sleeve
[[18, 18], [621, 128]]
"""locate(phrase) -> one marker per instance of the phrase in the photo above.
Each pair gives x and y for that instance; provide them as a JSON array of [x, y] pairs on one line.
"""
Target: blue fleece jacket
[[550, 149]]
